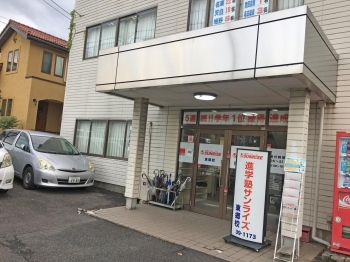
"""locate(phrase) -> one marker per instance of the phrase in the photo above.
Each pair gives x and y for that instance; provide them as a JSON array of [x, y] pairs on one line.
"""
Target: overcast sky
[[38, 14]]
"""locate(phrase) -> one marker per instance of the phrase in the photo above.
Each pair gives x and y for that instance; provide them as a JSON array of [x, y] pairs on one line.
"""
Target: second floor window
[[135, 28], [201, 14], [46, 64], [12, 61], [286, 4], [59, 66]]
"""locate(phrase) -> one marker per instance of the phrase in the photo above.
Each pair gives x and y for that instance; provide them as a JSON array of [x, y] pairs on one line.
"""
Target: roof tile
[[38, 34]]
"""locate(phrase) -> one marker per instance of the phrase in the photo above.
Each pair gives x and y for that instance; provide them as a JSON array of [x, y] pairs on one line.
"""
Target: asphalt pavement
[[45, 225]]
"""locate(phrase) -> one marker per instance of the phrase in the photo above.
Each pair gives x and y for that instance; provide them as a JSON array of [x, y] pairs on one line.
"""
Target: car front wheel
[[28, 178]]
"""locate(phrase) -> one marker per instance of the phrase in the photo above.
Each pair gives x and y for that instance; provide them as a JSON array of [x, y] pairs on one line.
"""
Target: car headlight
[[7, 161], [91, 167], [43, 164]]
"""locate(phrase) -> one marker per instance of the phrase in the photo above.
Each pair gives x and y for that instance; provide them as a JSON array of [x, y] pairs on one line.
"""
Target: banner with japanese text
[[279, 118], [255, 7], [232, 118], [249, 212], [224, 11], [189, 118]]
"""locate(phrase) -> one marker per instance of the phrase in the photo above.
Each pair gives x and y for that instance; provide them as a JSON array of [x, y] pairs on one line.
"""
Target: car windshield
[[53, 145]]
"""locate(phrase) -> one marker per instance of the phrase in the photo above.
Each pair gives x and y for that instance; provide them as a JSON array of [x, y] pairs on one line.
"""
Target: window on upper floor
[[46, 63], [204, 13], [201, 14], [135, 28], [59, 66], [12, 61], [9, 62], [286, 4], [6, 107]]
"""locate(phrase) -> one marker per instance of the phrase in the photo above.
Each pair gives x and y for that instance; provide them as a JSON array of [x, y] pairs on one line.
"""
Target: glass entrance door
[[207, 194], [214, 169], [237, 139]]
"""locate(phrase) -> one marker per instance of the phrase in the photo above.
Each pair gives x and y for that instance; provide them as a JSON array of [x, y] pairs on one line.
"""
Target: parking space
[[45, 225]]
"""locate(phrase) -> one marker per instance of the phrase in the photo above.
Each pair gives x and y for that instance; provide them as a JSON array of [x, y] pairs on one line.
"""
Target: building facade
[[278, 73], [32, 78]]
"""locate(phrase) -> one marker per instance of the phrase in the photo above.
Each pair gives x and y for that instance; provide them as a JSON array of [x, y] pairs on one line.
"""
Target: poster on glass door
[[249, 212], [210, 154], [224, 11], [186, 152]]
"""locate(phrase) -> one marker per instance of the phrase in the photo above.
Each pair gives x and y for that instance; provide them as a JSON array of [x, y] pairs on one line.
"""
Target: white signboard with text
[[234, 153], [279, 118], [190, 118], [248, 220], [232, 118], [255, 7], [210, 154], [224, 11], [186, 152], [277, 160]]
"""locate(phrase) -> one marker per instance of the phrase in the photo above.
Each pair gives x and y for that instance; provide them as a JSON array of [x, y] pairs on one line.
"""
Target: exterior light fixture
[[35, 101], [205, 96], [274, 110], [250, 114]]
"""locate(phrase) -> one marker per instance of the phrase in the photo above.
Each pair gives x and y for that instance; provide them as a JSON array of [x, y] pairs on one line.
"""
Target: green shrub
[[8, 122]]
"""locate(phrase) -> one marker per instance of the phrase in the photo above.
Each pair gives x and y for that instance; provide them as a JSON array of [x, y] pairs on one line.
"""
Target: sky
[[38, 14]]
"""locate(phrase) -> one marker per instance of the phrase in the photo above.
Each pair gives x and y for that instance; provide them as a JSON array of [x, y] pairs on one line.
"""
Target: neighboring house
[[33, 68], [162, 61]]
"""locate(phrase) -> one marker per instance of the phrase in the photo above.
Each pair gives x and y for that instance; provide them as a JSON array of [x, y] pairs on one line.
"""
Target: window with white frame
[[286, 4], [59, 66], [12, 61], [105, 138]]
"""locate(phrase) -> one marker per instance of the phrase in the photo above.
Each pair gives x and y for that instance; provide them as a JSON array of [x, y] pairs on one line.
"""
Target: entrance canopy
[[250, 62]]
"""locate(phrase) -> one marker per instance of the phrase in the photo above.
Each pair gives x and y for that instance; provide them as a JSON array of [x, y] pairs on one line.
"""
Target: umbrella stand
[[166, 190]]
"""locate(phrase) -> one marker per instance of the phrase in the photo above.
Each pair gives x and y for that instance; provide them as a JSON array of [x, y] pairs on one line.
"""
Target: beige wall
[[35, 62], [28, 82], [13, 84], [54, 115]]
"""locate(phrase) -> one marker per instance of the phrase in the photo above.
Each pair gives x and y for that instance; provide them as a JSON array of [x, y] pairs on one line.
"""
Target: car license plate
[[73, 180]]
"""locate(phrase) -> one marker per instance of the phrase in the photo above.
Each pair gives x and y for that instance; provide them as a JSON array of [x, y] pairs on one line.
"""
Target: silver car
[[43, 159]]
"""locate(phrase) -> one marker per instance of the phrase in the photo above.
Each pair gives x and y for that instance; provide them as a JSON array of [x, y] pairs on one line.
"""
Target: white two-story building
[[151, 83]]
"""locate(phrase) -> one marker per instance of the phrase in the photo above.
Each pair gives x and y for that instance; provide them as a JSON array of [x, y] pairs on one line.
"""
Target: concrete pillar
[[137, 143], [297, 138]]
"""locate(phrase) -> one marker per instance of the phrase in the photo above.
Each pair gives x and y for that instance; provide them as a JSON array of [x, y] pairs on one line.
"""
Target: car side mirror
[[24, 148]]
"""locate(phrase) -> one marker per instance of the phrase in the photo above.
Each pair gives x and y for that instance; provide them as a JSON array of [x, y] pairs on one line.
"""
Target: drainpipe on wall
[[322, 105], [149, 145]]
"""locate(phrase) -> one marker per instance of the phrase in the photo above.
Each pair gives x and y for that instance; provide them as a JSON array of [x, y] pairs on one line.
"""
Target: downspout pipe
[[149, 145], [322, 106]]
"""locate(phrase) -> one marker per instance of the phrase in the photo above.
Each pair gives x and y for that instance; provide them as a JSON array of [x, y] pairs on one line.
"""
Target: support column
[[297, 138], [137, 144]]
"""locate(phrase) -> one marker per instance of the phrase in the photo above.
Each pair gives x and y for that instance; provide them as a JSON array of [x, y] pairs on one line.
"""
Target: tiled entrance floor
[[195, 231]]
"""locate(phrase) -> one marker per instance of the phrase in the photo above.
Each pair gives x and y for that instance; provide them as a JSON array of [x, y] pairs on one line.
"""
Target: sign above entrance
[[232, 118], [190, 118], [279, 118]]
